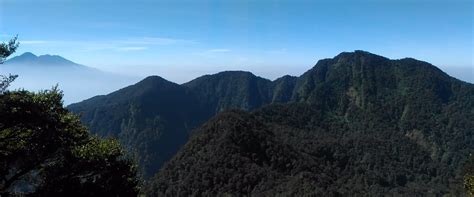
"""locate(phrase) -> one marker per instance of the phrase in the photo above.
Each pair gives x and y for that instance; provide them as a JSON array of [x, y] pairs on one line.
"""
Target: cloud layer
[[127, 44]]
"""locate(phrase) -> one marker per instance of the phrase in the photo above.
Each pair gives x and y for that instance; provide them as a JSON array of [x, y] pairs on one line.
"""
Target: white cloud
[[156, 41], [212, 53], [218, 50], [34, 42], [131, 48], [126, 44], [277, 51]]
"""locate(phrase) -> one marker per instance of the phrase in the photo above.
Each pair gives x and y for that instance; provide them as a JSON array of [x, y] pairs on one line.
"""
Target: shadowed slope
[[359, 124]]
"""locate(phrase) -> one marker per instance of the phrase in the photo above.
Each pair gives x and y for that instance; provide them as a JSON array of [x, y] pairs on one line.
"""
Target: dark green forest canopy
[[357, 124], [46, 151], [469, 176], [6, 49]]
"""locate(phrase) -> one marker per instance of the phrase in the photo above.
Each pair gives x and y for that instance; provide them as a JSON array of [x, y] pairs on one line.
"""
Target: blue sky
[[180, 40]]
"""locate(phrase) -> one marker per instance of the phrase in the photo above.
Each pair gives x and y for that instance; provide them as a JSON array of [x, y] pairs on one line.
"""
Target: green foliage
[[5, 82], [469, 176], [45, 151], [97, 168], [6, 49], [98, 149], [469, 184]]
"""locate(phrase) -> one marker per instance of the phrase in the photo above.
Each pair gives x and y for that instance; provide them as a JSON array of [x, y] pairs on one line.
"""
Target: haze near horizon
[[181, 40]]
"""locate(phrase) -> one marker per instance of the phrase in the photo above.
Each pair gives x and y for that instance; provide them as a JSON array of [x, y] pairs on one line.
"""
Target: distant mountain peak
[[235, 72], [152, 83], [154, 79], [56, 59], [285, 77], [51, 56], [28, 55], [29, 58]]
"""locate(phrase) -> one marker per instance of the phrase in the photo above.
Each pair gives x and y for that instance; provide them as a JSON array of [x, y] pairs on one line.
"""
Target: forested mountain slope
[[154, 117], [358, 124], [356, 94], [151, 118]]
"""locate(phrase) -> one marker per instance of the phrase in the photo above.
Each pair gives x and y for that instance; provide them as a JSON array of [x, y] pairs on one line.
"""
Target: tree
[[5, 82], [45, 151], [6, 49], [469, 176], [97, 168]]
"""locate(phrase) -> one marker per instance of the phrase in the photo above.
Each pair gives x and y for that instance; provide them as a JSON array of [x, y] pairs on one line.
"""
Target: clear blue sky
[[180, 40]]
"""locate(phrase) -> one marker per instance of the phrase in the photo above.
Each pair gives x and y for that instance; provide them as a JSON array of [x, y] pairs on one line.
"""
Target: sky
[[180, 40]]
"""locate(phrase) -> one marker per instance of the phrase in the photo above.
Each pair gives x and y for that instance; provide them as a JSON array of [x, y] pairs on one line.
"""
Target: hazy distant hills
[[77, 81], [357, 123], [30, 59]]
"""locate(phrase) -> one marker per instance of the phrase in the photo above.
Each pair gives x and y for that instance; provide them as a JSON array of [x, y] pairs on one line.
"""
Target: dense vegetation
[[237, 153], [359, 124], [151, 118], [45, 150], [469, 176], [6, 49]]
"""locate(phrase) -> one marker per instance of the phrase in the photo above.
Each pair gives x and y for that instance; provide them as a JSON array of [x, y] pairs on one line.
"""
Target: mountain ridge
[[348, 83], [47, 59]]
